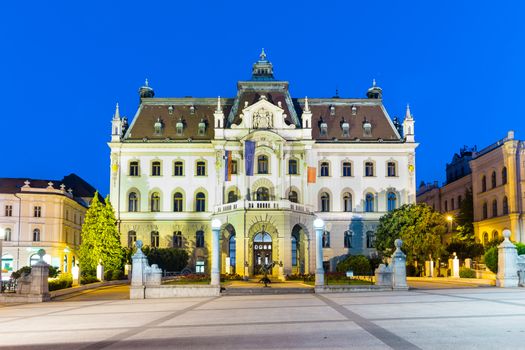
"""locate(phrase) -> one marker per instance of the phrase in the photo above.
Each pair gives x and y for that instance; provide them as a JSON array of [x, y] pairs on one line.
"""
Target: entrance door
[[262, 251]]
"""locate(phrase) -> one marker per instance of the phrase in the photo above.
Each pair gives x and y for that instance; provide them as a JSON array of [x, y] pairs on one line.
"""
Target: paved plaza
[[462, 318]]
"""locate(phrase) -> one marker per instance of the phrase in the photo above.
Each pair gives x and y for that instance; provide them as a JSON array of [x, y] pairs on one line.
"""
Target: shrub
[[86, 279], [19, 273], [53, 272], [113, 275], [168, 259], [64, 280], [193, 278], [231, 277], [465, 272], [359, 264], [465, 250], [491, 259], [520, 248]]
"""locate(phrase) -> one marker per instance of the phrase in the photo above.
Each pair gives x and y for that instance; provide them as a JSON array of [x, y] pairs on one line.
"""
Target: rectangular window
[[178, 169], [134, 169], [8, 210], [292, 167], [155, 169], [234, 167], [391, 169], [177, 239], [199, 239], [199, 266], [347, 169], [369, 169], [37, 211], [201, 169], [325, 169]]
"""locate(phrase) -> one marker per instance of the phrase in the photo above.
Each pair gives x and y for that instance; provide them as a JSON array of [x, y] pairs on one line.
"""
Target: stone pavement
[[472, 318]]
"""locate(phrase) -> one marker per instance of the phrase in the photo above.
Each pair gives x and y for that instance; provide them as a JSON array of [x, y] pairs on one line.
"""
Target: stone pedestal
[[429, 268], [468, 263], [399, 268], [455, 267], [383, 276], [507, 276], [100, 272], [75, 272], [140, 263], [34, 287], [153, 275]]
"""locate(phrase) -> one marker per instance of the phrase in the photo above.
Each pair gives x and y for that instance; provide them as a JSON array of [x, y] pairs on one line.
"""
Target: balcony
[[263, 205]]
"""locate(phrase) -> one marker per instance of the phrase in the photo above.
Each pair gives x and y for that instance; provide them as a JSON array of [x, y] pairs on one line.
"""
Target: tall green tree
[[100, 238], [465, 219], [419, 226]]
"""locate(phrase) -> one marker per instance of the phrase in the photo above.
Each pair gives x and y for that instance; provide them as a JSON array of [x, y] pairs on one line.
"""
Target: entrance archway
[[262, 250], [299, 250]]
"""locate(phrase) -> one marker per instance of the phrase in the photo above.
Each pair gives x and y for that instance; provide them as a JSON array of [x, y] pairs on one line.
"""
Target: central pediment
[[262, 115]]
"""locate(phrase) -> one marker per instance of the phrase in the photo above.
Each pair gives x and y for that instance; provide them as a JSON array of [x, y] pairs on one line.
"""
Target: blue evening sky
[[64, 65]]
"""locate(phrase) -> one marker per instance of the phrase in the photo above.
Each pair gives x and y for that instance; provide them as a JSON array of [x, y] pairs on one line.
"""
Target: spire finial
[[117, 112], [374, 82], [146, 83], [336, 92], [262, 55], [408, 114], [306, 106]]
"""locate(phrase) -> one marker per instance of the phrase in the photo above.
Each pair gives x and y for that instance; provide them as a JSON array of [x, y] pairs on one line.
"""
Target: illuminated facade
[[42, 214], [266, 165]]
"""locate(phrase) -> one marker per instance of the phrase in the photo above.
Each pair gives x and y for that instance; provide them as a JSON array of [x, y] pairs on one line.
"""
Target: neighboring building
[[184, 161], [42, 214], [496, 177]]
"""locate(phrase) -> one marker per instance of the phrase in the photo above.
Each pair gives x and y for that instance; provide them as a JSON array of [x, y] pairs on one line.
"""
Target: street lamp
[[2, 236]]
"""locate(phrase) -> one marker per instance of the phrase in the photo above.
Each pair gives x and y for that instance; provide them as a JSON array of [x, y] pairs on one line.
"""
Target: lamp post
[[215, 258], [319, 271], [2, 236]]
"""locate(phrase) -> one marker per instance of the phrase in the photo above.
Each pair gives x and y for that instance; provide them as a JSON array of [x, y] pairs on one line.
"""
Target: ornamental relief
[[262, 119]]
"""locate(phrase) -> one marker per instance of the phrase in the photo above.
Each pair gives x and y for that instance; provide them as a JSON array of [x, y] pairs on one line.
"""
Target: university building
[[496, 177], [265, 164], [42, 214]]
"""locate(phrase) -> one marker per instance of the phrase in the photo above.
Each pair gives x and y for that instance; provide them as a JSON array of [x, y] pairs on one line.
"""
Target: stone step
[[265, 291]]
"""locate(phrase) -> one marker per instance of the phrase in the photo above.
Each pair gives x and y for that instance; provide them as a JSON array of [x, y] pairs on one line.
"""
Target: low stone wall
[[351, 289], [23, 298], [173, 291]]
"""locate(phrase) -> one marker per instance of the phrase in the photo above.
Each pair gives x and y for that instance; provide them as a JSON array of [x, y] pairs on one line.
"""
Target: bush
[[465, 250], [168, 259], [465, 272], [491, 259], [113, 275], [19, 273], [359, 264], [231, 277], [193, 278], [54, 272], [520, 248], [64, 280], [86, 279], [306, 277]]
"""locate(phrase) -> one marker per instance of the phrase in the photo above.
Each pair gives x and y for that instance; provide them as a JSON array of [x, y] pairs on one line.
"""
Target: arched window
[[446, 205], [369, 202], [348, 239], [493, 179], [177, 239], [7, 236], [199, 239], [494, 235], [485, 210], [155, 168], [483, 183], [177, 202], [293, 197], [504, 175], [262, 164], [325, 169], [36, 235], [391, 201], [452, 206], [459, 201], [132, 238], [326, 239], [505, 205], [369, 169], [347, 169], [133, 202], [200, 202], [292, 167], [294, 250], [155, 201], [201, 168], [325, 202], [232, 196], [233, 250], [178, 168], [154, 239], [370, 239], [485, 238], [263, 194], [347, 202], [494, 208]]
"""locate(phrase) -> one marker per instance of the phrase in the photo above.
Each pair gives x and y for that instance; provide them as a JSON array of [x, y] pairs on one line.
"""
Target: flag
[[228, 166], [249, 153], [311, 175]]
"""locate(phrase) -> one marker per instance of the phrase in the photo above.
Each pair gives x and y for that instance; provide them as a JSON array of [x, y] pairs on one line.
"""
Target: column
[[215, 254], [319, 271]]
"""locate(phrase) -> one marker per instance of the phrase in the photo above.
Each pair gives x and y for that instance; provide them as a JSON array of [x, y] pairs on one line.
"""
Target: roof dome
[[146, 91], [375, 91]]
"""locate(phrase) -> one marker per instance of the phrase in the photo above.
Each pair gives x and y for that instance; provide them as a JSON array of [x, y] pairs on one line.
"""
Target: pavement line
[[476, 299], [442, 317], [384, 335], [136, 330]]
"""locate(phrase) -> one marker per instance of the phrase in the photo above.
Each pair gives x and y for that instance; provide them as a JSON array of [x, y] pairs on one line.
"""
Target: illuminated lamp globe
[[319, 223], [216, 224]]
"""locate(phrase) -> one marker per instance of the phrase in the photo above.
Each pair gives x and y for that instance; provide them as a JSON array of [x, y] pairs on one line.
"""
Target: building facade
[[42, 214], [266, 165], [495, 175]]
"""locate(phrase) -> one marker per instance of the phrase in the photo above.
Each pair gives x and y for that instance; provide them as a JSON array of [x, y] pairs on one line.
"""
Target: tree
[[419, 226], [100, 239], [465, 219]]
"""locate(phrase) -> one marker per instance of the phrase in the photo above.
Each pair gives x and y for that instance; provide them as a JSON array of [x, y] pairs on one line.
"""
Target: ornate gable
[[262, 115]]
